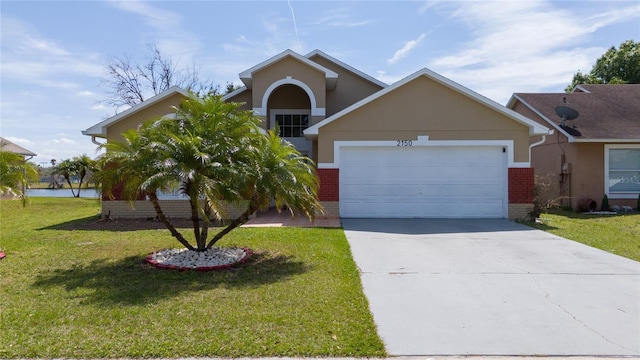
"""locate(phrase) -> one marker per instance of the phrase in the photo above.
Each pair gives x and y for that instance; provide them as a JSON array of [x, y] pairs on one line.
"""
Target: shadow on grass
[[576, 215], [94, 223], [130, 281]]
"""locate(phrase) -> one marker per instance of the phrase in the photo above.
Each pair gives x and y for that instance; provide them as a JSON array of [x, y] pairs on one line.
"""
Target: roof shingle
[[7, 145], [606, 111]]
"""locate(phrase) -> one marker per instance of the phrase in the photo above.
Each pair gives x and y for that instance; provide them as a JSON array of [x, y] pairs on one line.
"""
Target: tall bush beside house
[[605, 203], [638, 203], [216, 154], [544, 196]]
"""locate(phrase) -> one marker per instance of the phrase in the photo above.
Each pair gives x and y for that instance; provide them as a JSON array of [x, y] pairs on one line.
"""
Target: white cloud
[[19, 141], [519, 46], [99, 107], [339, 17], [30, 57], [406, 49], [64, 140], [85, 93], [168, 31]]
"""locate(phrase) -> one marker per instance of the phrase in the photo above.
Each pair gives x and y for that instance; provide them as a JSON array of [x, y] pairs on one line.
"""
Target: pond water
[[90, 193]]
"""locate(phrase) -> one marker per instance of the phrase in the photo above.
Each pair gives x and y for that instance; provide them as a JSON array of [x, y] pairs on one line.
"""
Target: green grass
[[68, 293], [617, 234]]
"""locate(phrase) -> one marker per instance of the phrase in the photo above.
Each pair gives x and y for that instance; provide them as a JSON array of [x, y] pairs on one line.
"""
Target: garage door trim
[[423, 141]]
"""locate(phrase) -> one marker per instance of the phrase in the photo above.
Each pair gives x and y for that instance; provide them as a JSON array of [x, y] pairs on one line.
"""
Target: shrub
[[605, 203]]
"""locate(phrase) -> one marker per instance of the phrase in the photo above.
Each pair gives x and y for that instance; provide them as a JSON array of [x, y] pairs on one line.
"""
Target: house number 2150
[[404, 143]]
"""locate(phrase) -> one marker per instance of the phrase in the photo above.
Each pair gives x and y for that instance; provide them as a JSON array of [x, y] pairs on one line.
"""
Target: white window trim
[[607, 147], [315, 111], [274, 112]]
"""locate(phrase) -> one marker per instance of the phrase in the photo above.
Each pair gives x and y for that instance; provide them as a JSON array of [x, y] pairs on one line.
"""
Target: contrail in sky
[[293, 16]]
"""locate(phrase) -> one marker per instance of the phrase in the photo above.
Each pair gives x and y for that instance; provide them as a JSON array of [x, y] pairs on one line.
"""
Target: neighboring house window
[[622, 171], [292, 125]]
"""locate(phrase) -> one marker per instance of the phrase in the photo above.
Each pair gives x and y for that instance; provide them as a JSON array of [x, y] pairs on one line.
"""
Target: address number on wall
[[404, 143]]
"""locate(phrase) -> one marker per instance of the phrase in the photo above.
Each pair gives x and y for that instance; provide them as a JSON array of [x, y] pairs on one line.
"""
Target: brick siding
[[329, 184], [521, 183]]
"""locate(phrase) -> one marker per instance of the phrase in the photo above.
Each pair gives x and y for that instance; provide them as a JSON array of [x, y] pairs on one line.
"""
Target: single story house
[[9, 146], [6, 145], [422, 147], [595, 149]]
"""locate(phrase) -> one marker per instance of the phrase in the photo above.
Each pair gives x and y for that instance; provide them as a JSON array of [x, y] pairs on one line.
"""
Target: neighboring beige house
[[7, 145], [596, 153], [422, 147]]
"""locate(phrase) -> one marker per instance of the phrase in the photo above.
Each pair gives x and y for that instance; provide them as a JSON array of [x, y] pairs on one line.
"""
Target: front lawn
[[70, 293], [617, 234]]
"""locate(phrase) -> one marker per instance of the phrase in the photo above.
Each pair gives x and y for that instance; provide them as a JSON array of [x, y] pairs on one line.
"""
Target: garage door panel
[[423, 182]]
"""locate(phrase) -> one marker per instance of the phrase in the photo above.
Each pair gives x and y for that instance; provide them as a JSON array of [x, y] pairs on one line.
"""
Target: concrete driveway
[[493, 287]]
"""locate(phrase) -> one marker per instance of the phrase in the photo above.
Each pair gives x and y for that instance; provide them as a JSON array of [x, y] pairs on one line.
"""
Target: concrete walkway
[[493, 287]]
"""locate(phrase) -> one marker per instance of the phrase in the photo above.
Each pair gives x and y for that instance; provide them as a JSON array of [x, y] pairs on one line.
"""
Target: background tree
[[217, 155], [131, 83], [616, 66], [16, 173], [77, 168]]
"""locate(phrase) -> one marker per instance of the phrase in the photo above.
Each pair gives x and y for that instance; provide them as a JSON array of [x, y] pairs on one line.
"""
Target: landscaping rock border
[[163, 259]]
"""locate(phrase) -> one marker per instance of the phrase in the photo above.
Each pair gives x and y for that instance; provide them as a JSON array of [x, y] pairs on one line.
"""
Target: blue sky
[[53, 53]]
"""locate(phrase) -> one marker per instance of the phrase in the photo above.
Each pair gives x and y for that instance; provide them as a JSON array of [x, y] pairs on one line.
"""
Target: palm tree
[[206, 150], [217, 155], [15, 173], [279, 173], [67, 169], [84, 166]]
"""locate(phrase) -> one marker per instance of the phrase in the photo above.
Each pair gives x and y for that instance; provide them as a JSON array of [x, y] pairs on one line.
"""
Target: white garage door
[[424, 182]]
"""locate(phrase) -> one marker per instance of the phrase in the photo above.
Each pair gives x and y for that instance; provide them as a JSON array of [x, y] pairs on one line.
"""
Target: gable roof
[[100, 129], [346, 67], [606, 112], [331, 77], [9, 146], [534, 127]]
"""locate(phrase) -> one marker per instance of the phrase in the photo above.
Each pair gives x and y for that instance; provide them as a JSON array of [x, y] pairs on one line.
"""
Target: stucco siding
[[424, 108], [313, 78], [587, 173], [350, 89], [164, 107], [245, 98]]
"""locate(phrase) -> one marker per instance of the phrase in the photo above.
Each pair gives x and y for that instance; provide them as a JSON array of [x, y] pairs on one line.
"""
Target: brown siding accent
[[329, 184], [521, 182]]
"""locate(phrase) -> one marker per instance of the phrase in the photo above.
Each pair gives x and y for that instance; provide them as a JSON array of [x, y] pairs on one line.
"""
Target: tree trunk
[[204, 234], [70, 186], [82, 175], [195, 220], [234, 224], [156, 206]]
